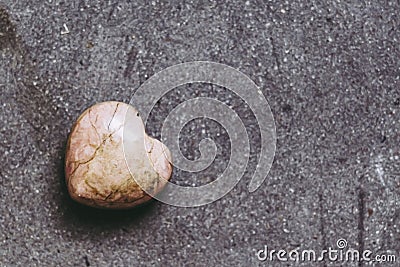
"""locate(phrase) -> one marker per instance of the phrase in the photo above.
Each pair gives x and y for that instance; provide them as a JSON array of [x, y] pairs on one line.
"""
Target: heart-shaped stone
[[109, 154]]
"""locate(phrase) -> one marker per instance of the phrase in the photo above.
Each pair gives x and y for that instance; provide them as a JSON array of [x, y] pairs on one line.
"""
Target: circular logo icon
[[341, 243]]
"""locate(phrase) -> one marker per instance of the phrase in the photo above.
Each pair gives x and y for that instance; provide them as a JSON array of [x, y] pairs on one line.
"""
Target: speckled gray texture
[[329, 69]]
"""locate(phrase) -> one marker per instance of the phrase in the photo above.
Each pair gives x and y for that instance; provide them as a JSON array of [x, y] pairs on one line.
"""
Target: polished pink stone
[[102, 168]]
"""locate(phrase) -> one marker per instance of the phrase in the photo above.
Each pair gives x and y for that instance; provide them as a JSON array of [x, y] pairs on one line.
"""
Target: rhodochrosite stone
[[107, 152]]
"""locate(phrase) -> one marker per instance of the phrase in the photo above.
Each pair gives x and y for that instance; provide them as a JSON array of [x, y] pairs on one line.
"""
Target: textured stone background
[[329, 69]]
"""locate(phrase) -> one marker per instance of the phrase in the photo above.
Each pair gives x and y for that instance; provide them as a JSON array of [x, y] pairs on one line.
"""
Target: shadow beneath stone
[[99, 217]]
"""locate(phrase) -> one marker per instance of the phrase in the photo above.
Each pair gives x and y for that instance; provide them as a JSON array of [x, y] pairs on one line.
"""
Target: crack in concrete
[[322, 223], [361, 217], [130, 61], [278, 64]]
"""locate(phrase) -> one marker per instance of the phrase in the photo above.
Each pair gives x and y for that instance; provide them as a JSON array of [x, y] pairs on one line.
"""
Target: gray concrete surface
[[329, 69]]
